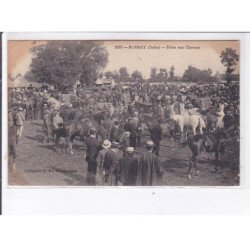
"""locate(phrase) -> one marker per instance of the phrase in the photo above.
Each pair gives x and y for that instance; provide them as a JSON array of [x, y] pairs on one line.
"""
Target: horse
[[80, 128], [185, 121], [12, 135], [213, 142], [214, 119]]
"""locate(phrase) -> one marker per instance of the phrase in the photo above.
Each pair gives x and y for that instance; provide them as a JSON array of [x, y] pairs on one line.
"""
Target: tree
[[193, 74], [124, 75], [171, 72], [162, 76], [217, 76], [137, 76], [108, 74], [153, 74], [116, 76], [229, 58], [65, 62]]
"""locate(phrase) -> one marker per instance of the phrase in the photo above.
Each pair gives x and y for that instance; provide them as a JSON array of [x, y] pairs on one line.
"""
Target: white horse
[[186, 121]]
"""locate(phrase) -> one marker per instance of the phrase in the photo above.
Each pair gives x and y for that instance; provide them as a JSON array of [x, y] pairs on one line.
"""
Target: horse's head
[[170, 110]]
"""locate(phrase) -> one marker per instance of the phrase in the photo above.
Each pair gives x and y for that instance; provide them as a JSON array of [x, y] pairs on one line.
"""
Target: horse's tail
[[184, 144], [201, 122]]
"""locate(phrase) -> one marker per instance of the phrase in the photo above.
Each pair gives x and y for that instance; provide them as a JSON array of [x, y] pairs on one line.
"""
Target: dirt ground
[[38, 164]]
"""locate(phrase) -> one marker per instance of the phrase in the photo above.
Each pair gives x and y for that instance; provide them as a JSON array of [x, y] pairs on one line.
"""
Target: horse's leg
[[53, 135], [200, 126], [49, 135], [172, 132], [70, 144], [200, 129], [57, 140], [184, 135], [181, 132], [194, 130], [216, 161], [190, 168], [196, 171], [193, 161], [65, 147], [44, 136]]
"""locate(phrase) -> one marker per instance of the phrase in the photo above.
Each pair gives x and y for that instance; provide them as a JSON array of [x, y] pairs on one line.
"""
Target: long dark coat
[[149, 171], [93, 148], [127, 170]]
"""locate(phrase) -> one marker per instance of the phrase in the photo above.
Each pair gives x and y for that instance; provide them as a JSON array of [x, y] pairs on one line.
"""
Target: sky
[[140, 55]]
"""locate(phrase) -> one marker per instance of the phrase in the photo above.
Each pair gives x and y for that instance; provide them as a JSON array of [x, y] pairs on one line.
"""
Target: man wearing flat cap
[[149, 171], [127, 168], [100, 161], [110, 165]]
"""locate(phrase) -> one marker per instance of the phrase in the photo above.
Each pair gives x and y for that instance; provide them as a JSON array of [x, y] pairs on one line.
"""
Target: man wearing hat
[[93, 148], [127, 168], [110, 165], [100, 160], [20, 121], [149, 171]]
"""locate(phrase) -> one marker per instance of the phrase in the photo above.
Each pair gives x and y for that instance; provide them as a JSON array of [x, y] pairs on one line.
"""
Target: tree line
[[66, 62]]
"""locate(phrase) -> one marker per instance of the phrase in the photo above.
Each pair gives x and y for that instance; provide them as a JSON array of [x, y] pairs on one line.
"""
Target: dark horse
[[80, 128], [214, 142]]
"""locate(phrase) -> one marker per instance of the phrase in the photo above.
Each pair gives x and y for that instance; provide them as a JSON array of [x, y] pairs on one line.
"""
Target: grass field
[[38, 164]]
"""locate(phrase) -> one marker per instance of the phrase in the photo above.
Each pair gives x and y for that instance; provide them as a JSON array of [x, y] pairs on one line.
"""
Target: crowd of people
[[112, 160]]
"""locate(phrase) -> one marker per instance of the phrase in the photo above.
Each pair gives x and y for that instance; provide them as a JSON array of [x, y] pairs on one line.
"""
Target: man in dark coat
[[93, 148], [127, 168], [115, 132], [131, 127], [110, 165], [149, 171], [156, 135]]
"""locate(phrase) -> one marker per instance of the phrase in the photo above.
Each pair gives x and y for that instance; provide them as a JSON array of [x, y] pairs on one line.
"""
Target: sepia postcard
[[123, 112]]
